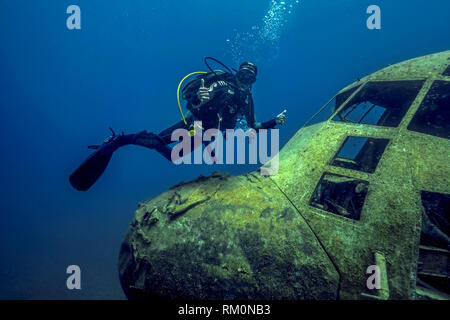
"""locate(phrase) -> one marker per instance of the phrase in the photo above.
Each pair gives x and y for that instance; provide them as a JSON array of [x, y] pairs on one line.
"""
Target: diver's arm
[[265, 125], [206, 94], [280, 119]]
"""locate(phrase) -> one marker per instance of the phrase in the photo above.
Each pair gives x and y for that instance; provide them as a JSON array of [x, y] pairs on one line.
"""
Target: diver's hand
[[281, 118], [204, 93]]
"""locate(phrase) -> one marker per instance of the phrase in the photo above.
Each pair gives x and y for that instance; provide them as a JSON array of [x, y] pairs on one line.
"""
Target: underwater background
[[61, 89]]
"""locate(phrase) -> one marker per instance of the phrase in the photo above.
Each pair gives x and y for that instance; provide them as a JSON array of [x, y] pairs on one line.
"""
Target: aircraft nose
[[224, 238]]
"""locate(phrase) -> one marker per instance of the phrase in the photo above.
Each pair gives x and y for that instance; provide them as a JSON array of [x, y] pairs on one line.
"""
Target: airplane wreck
[[367, 186]]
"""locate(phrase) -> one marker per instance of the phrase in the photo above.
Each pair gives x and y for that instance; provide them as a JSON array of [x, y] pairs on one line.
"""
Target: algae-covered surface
[[225, 238], [257, 237]]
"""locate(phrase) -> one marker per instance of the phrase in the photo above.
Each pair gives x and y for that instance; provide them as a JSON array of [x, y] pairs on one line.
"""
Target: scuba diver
[[221, 100]]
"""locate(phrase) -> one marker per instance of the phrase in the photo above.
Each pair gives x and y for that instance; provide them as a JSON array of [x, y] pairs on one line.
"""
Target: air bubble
[[262, 39]]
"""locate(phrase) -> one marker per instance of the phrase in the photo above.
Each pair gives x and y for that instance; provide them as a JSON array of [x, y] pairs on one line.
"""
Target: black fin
[[92, 168]]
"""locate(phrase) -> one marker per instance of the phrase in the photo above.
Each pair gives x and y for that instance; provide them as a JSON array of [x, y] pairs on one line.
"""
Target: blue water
[[60, 89]]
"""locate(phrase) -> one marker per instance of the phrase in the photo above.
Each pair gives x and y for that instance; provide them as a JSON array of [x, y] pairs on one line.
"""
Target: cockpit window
[[332, 106], [433, 115], [380, 103], [436, 219], [342, 97], [433, 273], [447, 72], [360, 153], [340, 195]]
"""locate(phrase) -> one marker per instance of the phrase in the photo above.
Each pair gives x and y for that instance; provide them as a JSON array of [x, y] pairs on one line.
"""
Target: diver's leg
[[94, 166], [166, 134], [152, 141]]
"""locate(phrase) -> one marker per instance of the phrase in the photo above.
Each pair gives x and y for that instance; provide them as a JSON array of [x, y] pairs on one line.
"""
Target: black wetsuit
[[227, 101]]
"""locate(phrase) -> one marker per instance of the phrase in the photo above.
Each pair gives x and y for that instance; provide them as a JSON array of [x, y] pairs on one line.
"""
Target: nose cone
[[224, 237]]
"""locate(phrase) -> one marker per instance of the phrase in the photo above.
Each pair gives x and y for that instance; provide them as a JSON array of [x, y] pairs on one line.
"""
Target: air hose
[[191, 132]]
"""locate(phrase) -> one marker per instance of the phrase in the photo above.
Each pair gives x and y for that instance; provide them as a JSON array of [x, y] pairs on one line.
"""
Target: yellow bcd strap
[[191, 131]]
